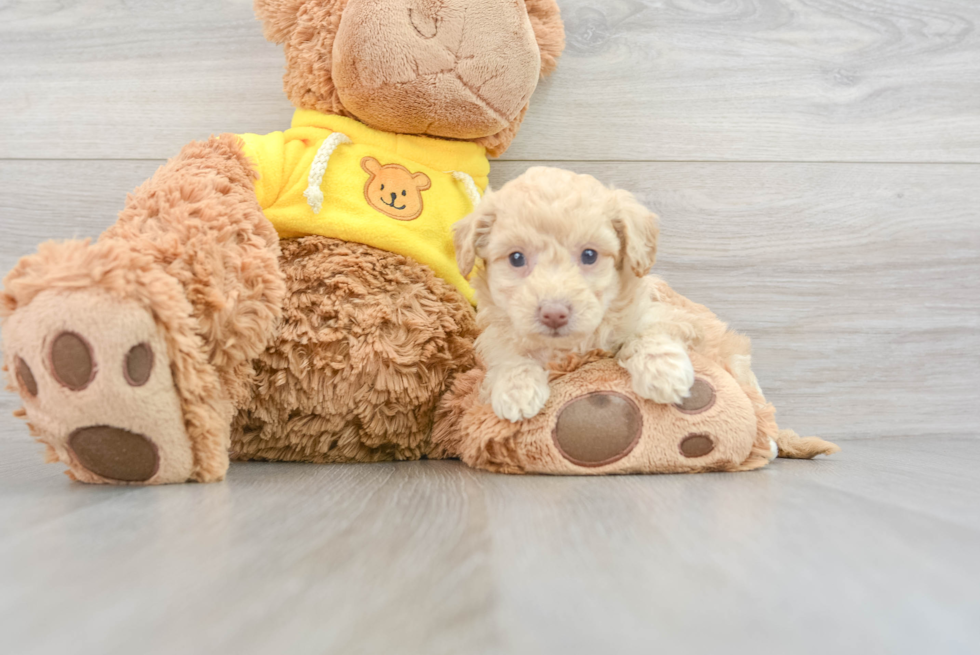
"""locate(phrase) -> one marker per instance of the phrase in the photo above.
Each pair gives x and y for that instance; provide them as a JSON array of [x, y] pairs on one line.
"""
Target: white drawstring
[[472, 191], [313, 193]]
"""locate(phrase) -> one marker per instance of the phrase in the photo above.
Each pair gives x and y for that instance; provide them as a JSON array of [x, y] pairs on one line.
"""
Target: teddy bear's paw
[[664, 375], [616, 431], [95, 377], [595, 424], [519, 393]]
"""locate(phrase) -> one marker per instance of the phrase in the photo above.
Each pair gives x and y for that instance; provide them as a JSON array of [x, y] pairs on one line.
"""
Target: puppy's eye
[[517, 260], [589, 256], [382, 187], [404, 193]]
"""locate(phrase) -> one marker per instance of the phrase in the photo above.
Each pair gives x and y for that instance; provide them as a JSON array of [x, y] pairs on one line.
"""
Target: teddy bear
[[294, 296], [261, 296]]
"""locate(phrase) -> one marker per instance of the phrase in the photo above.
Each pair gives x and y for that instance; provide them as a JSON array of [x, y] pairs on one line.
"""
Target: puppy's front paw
[[664, 375], [520, 393]]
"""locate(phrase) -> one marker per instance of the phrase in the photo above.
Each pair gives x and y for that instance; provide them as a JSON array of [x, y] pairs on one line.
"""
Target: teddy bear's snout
[[462, 69]]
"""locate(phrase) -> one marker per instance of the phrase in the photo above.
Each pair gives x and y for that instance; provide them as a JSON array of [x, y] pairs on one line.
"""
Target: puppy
[[563, 268]]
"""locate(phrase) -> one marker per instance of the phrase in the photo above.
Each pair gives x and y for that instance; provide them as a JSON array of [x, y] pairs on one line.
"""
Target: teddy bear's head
[[460, 69]]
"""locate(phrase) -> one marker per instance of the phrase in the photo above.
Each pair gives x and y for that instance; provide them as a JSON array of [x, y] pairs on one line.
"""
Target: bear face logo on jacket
[[394, 190]]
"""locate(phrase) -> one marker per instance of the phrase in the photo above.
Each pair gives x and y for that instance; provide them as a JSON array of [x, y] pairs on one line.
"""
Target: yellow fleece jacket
[[394, 192]]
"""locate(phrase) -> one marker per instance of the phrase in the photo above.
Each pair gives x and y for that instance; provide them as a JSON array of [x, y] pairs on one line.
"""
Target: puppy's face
[[557, 250], [555, 278]]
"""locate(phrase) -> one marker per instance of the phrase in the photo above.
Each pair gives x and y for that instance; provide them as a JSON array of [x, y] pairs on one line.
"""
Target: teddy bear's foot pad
[[95, 378], [612, 415], [115, 454]]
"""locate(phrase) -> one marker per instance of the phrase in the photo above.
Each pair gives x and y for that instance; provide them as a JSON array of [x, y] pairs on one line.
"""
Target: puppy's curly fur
[[564, 264]]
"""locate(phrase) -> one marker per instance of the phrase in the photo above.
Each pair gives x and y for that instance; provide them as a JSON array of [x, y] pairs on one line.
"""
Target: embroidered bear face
[[394, 190]]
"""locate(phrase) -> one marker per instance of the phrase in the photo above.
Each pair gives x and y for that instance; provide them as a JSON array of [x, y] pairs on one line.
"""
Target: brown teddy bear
[[198, 325], [294, 296]]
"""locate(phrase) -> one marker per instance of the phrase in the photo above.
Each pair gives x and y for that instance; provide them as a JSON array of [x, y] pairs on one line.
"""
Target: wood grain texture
[[775, 80], [859, 284], [831, 556]]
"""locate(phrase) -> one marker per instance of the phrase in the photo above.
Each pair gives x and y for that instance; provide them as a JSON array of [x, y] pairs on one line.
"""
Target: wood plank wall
[[816, 164]]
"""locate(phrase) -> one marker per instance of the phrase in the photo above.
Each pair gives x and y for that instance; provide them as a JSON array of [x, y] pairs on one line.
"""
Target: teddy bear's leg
[[370, 341], [595, 424], [131, 354]]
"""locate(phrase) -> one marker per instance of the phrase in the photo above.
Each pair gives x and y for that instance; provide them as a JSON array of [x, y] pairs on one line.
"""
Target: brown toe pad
[[696, 445], [598, 429], [25, 376], [139, 365], [114, 453], [702, 398], [71, 361]]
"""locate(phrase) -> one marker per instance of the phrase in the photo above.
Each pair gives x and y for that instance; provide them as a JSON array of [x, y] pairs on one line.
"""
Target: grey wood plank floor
[[816, 164], [872, 551]]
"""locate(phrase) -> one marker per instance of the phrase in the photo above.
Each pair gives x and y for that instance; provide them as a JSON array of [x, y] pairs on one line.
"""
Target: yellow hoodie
[[336, 177]]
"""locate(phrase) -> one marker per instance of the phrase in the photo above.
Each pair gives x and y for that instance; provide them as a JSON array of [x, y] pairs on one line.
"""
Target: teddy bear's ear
[[548, 30], [278, 17], [636, 227], [422, 181]]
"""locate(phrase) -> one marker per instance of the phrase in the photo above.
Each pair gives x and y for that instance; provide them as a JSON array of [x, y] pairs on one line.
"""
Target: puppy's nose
[[554, 315], [394, 197]]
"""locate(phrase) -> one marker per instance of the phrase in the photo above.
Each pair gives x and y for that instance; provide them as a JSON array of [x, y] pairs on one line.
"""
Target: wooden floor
[[872, 551], [816, 165]]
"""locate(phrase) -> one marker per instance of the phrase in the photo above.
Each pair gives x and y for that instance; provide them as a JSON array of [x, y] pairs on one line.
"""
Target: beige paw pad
[[93, 372]]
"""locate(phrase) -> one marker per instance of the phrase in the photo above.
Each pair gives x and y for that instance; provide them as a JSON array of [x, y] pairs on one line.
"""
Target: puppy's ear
[[637, 229], [471, 234]]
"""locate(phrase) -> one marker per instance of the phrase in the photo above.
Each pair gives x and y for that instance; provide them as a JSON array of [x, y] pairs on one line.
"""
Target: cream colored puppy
[[563, 267]]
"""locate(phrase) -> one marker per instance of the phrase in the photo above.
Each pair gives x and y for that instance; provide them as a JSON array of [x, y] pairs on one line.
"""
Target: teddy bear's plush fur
[[370, 342]]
